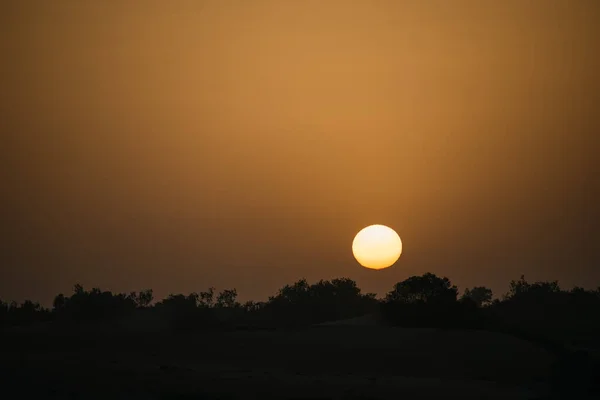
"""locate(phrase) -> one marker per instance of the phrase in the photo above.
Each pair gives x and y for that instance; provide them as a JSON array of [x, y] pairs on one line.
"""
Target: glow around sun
[[377, 247]]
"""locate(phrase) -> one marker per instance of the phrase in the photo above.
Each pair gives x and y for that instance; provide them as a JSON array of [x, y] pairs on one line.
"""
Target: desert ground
[[325, 362]]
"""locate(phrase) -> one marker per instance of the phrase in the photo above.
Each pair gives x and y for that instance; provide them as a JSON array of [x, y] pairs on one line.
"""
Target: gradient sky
[[187, 144]]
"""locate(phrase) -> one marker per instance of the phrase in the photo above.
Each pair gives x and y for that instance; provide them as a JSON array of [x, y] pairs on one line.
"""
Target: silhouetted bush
[[27, 313], [543, 309], [183, 313], [302, 304], [93, 305], [429, 301], [479, 295], [456, 314]]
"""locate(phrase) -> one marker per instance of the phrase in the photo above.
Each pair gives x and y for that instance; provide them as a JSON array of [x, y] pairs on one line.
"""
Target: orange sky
[[244, 143]]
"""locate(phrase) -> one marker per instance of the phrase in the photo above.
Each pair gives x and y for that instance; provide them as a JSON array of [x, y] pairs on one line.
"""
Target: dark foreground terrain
[[318, 363], [326, 340]]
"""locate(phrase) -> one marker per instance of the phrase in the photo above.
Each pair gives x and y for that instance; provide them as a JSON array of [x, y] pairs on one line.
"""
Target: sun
[[377, 247]]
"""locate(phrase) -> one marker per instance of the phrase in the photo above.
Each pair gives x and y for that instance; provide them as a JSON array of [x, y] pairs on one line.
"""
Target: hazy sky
[[187, 144]]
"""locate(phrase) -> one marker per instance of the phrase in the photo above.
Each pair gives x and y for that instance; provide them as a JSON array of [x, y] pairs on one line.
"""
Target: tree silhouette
[[27, 313], [92, 305], [427, 288], [253, 306], [141, 299], [185, 312], [206, 299], [303, 304], [522, 288], [145, 297], [59, 303], [292, 294], [480, 295], [227, 298], [429, 301]]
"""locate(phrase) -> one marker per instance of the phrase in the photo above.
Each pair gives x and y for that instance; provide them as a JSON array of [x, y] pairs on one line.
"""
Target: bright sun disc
[[377, 247]]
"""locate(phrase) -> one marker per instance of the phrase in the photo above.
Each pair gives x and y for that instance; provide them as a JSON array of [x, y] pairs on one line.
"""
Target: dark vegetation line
[[541, 311], [562, 321]]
